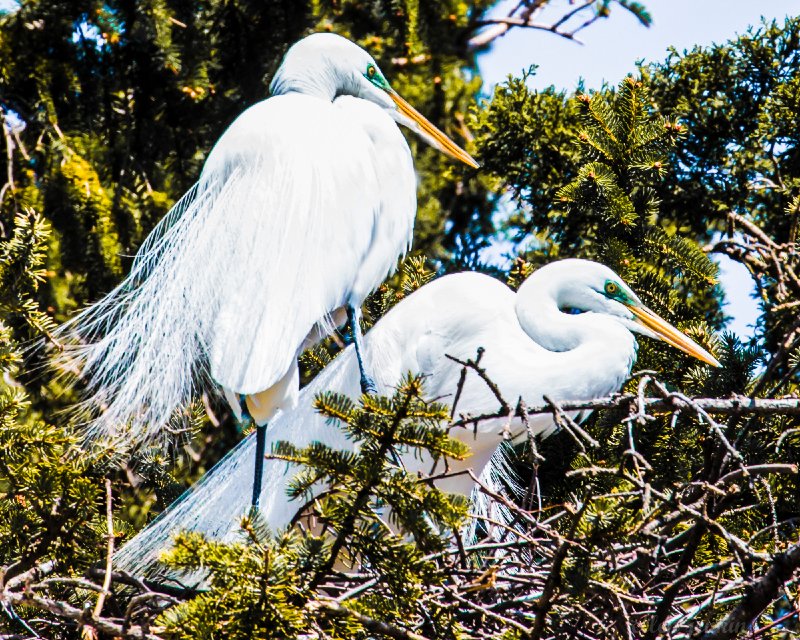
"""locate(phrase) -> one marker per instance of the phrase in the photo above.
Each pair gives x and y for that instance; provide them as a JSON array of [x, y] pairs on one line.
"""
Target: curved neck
[[540, 317], [593, 353], [537, 308]]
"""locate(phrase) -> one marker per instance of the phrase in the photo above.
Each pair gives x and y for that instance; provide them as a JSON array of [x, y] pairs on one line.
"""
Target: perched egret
[[567, 333], [303, 207]]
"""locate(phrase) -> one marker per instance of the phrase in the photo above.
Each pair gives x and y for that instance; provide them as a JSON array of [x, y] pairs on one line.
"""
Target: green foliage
[[738, 102], [107, 117], [21, 273], [256, 587], [50, 496], [414, 272], [50, 493], [526, 139], [368, 512]]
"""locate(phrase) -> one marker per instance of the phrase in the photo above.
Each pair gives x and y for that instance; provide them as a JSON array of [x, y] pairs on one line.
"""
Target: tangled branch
[[623, 555]]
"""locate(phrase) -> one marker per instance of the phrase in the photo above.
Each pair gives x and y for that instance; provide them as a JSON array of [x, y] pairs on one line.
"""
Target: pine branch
[[738, 406], [360, 501]]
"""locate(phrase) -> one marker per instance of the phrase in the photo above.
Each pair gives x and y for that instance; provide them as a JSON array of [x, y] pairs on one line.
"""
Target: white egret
[[567, 333], [303, 207]]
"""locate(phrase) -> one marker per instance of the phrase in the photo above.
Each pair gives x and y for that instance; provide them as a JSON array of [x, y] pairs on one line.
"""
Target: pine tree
[[682, 518], [611, 150]]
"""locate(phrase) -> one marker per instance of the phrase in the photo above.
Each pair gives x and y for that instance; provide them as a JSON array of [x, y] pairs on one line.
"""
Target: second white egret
[[567, 333]]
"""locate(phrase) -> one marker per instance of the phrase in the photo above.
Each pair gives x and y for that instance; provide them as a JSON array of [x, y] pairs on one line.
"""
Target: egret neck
[[598, 348]]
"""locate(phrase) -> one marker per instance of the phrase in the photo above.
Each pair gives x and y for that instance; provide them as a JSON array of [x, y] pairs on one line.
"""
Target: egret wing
[[292, 228]]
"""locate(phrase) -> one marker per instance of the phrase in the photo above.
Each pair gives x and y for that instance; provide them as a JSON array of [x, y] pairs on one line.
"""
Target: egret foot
[[367, 383], [258, 475]]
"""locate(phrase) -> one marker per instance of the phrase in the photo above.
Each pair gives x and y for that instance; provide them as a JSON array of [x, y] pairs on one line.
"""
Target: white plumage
[[533, 347], [303, 207]]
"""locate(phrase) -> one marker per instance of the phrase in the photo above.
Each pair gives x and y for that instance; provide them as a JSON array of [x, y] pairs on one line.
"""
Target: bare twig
[[505, 408], [390, 631], [88, 631], [759, 594], [523, 15], [570, 426]]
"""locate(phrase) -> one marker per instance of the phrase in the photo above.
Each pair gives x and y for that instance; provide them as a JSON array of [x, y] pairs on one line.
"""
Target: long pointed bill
[[671, 335], [444, 143]]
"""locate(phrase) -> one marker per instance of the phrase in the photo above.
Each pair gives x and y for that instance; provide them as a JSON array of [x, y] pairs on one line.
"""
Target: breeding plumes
[[567, 333], [303, 207]]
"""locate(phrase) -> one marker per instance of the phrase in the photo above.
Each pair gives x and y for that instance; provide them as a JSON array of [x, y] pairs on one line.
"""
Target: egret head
[[583, 287], [328, 65]]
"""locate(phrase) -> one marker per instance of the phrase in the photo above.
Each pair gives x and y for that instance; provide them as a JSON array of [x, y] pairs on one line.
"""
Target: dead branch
[[523, 15], [759, 594], [737, 406], [390, 631]]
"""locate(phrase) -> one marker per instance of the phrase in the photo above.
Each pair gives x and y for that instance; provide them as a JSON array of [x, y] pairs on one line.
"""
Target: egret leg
[[367, 384], [258, 476], [12, 614], [261, 444]]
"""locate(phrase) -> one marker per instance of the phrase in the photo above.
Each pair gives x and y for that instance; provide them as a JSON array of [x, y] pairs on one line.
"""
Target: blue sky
[[612, 46], [610, 50]]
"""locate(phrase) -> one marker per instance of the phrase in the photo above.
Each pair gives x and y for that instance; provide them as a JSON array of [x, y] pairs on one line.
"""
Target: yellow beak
[[671, 335], [444, 143]]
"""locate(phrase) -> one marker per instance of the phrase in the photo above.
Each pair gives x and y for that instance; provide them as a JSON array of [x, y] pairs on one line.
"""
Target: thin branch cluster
[[526, 14], [538, 567]]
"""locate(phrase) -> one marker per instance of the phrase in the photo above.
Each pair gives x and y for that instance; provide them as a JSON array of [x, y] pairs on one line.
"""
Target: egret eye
[[612, 288], [572, 311], [371, 71]]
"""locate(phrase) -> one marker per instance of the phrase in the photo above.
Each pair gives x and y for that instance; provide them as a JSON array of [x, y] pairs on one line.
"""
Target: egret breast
[[397, 193], [295, 206]]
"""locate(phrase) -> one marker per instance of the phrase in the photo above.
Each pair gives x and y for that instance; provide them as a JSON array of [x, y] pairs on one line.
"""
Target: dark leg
[[261, 444], [367, 385], [9, 611], [258, 476]]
